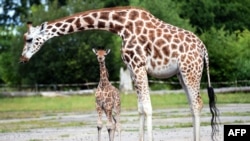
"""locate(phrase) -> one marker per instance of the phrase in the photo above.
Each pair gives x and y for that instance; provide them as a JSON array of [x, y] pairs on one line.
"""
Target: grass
[[37, 106]]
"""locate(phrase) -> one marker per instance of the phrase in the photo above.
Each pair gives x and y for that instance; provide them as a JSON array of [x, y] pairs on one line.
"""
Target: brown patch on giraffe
[[54, 30], [78, 23], [168, 37], [59, 33], [130, 53], [126, 33], [177, 40], [186, 47], [151, 35], [118, 17], [193, 46], [152, 63], [173, 31], [174, 54], [104, 15], [157, 53], [196, 54], [153, 21], [166, 50], [181, 36], [71, 29], [65, 25], [62, 29], [166, 61], [166, 30], [158, 32], [174, 46], [90, 26], [70, 20], [136, 59], [129, 26], [101, 24], [49, 27], [181, 48], [148, 49], [145, 31], [94, 15], [138, 30], [188, 39], [133, 64], [81, 28], [150, 25], [139, 24], [138, 50], [117, 28], [133, 15], [183, 57], [58, 24], [160, 42], [122, 14], [144, 16], [158, 62], [142, 39], [89, 20]]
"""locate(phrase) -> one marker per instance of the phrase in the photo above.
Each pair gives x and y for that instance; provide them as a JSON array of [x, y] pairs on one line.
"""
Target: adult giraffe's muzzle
[[23, 59]]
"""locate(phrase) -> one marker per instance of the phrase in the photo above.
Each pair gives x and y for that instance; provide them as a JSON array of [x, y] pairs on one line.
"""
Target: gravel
[[167, 125]]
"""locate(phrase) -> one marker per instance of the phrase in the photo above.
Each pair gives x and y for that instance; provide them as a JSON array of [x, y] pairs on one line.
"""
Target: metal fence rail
[[88, 88]]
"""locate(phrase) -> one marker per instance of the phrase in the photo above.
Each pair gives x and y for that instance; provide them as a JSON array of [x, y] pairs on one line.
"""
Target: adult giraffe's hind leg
[[192, 89]]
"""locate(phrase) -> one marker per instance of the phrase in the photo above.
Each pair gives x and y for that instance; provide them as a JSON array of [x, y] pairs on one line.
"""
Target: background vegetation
[[222, 25]]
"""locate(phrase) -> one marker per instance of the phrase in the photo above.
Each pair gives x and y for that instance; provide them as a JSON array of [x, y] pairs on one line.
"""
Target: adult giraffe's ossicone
[[150, 46]]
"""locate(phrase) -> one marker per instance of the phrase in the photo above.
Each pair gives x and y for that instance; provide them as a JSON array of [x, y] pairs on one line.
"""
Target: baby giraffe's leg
[[99, 121], [110, 125], [117, 124], [116, 117]]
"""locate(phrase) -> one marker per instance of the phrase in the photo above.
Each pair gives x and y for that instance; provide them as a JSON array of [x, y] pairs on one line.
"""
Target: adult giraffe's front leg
[[140, 79]]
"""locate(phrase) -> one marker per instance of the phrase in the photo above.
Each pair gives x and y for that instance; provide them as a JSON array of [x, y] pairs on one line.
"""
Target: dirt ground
[[167, 125]]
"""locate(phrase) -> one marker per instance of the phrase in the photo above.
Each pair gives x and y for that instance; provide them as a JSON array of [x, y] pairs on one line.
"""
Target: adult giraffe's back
[[150, 46]]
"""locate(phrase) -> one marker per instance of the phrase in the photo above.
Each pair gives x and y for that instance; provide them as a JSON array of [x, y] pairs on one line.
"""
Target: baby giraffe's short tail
[[212, 100]]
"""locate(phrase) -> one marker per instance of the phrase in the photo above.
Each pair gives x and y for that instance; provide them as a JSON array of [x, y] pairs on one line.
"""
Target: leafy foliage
[[222, 25]]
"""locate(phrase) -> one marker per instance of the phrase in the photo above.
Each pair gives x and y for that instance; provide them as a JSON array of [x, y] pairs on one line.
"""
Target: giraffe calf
[[107, 99]]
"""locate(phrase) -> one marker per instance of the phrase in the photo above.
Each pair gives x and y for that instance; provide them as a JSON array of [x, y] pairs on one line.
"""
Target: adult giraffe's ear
[[107, 51], [43, 27]]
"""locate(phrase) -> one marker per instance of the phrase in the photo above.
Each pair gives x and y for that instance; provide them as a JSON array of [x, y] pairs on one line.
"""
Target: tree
[[231, 15], [67, 59], [228, 54]]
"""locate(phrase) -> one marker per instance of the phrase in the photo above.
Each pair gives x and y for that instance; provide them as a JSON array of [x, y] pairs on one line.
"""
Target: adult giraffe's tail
[[212, 99]]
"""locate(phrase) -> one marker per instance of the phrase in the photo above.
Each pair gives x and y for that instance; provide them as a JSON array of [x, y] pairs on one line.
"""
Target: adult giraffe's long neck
[[109, 19], [104, 81]]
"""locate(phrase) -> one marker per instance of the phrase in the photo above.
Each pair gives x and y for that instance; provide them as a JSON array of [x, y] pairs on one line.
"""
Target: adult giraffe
[[150, 46]]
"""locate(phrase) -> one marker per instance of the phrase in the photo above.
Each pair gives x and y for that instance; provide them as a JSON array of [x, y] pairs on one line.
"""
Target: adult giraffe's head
[[33, 40]]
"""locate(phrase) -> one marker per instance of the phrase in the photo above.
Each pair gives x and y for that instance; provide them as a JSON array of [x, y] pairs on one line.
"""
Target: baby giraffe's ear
[[107, 51], [94, 50]]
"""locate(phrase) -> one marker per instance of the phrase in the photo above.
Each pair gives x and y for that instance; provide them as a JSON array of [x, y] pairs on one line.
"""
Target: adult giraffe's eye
[[29, 40]]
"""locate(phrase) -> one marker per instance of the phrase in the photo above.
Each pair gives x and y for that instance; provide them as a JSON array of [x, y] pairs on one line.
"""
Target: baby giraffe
[[107, 99]]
